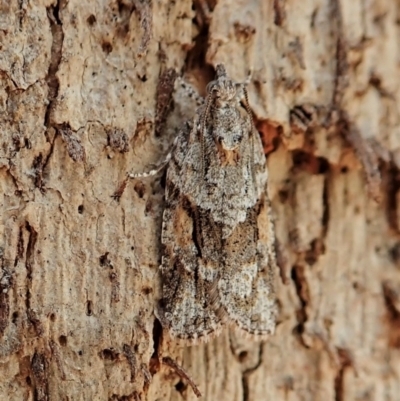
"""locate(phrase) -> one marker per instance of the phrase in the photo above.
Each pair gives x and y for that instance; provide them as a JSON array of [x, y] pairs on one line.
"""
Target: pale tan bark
[[79, 269]]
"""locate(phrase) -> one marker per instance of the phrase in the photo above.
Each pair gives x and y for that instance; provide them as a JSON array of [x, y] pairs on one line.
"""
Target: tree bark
[[85, 98]]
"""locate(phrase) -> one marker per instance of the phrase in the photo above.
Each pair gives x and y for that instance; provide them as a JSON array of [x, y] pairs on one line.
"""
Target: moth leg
[[190, 91], [160, 167], [155, 171], [181, 373], [158, 359], [118, 193], [180, 138]]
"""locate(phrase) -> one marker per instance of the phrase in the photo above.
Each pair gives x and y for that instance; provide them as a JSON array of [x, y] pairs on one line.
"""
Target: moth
[[218, 255]]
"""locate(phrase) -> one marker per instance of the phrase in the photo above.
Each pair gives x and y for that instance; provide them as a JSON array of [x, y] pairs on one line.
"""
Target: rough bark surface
[[80, 105]]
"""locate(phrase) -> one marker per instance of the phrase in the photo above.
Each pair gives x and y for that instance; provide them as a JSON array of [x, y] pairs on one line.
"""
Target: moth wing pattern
[[247, 289], [188, 310], [218, 238]]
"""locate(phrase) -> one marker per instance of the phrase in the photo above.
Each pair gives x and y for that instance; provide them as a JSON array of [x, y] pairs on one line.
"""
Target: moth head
[[222, 87], [225, 96]]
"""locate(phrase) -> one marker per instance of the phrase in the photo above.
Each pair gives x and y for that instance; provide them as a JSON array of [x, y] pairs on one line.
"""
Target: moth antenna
[[247, 106], [202, 129], [253, 129]]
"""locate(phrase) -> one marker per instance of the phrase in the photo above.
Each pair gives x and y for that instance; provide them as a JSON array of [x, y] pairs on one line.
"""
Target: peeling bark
[[90, 92]]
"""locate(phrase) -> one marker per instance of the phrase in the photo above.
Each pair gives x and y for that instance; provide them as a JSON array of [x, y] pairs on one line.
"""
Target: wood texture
[[79, 268]]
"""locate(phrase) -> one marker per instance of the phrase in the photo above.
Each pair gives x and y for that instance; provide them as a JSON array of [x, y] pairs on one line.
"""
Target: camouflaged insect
[[218, 238]]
